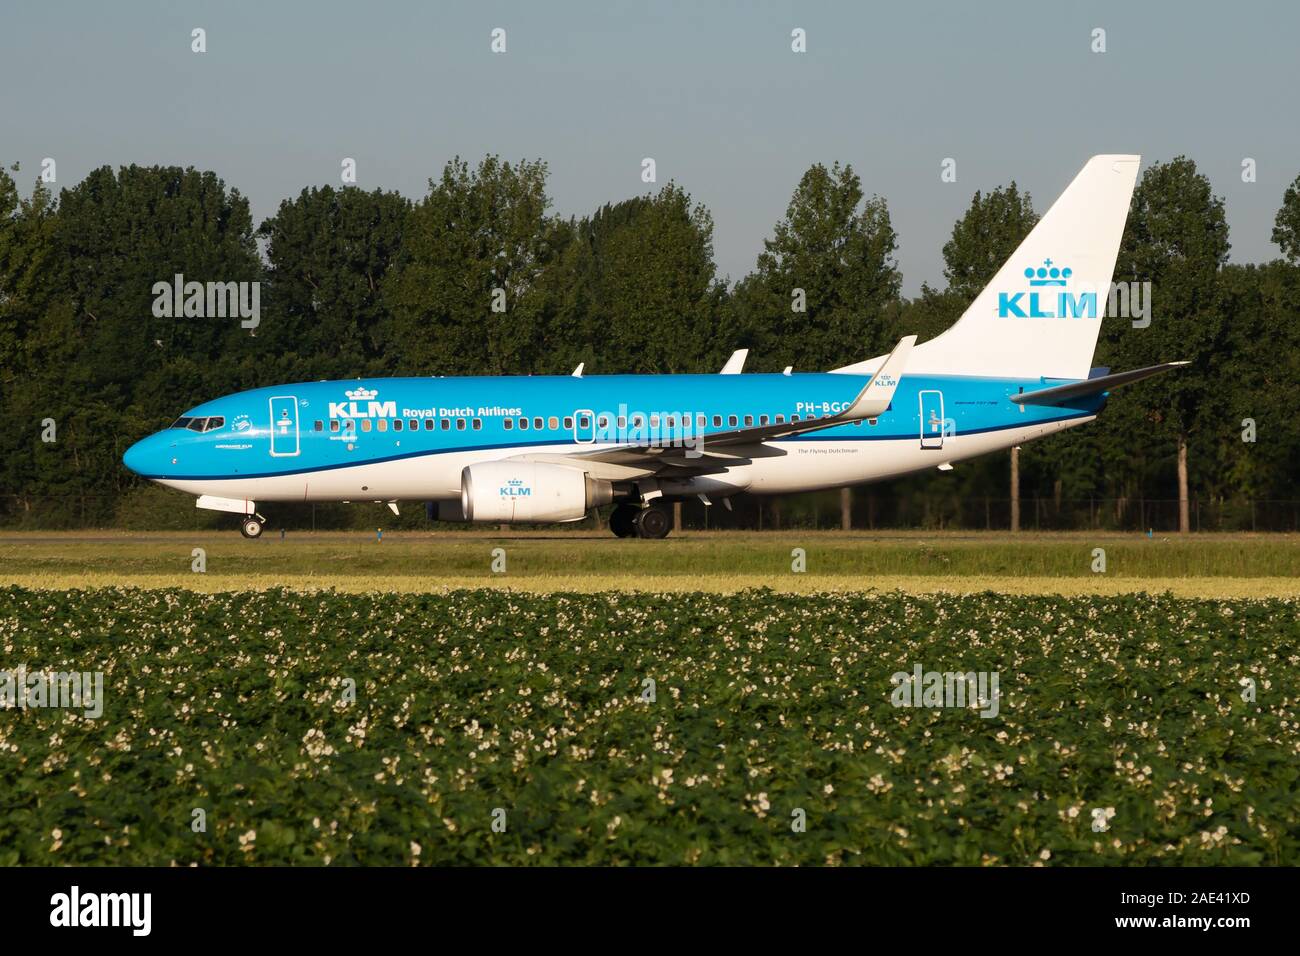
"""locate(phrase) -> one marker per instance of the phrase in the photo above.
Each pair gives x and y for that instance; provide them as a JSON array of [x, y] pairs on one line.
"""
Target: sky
[[712, 91]]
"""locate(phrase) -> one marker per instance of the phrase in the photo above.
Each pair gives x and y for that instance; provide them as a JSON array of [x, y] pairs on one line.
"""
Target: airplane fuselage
[[410, 438]]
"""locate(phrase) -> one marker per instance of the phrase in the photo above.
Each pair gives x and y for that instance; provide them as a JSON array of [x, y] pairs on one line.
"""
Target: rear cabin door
[[931, 418], [284, 426]]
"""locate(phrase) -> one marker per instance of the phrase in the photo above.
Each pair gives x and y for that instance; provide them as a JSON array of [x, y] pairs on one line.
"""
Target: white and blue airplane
[[1015, 367]]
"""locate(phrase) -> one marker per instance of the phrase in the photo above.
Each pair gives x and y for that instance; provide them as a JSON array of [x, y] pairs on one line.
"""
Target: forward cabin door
[[931, 418], [284, 426]]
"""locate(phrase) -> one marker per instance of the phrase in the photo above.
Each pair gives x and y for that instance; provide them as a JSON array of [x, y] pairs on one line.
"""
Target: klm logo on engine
[[515, 488], [362, 405], [1045, 300]]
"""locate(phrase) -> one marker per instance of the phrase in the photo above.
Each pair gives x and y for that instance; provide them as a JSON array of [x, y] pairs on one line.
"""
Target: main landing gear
[[653, 521], [251, 526]]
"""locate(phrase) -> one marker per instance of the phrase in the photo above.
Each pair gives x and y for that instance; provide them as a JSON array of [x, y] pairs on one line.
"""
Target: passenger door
[[284, 426], [931, 418]]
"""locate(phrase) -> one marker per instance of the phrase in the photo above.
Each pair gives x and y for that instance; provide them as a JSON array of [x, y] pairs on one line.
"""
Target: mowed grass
[[548, 560]]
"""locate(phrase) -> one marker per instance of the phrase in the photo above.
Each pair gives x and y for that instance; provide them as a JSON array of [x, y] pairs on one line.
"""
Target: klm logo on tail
[[1046, 304]]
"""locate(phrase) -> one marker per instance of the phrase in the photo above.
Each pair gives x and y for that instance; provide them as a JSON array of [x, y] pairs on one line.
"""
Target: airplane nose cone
[[144, 456]]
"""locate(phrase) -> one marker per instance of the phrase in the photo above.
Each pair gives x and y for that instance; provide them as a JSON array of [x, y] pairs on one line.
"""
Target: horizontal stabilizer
[[1061, 394]]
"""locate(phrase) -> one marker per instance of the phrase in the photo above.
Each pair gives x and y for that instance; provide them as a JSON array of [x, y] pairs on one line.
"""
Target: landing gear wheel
[[251, 527], [622, 521], [653, 522]]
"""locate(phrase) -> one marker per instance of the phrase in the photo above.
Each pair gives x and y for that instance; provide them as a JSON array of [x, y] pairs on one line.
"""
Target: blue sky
[[711, 90]]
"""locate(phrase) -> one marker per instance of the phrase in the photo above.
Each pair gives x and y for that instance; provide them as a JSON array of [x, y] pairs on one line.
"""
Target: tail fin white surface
[[1041, 314]]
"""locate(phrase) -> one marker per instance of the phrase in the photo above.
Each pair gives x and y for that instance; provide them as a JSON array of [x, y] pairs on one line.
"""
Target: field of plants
[[489, 727]]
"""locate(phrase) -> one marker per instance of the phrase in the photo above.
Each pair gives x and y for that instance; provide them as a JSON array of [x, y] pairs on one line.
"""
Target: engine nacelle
[[514, 491]]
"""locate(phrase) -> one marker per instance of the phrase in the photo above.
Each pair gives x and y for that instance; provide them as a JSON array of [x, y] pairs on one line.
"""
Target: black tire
[[250, 527], [654, 522], [622, 521]]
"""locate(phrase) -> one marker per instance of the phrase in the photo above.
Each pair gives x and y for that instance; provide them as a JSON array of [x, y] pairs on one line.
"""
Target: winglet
[[736, 363], [577, 372], [879, 392]]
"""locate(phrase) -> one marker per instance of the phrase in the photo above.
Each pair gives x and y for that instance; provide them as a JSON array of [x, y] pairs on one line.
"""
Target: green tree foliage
[[839, 250], [1176, 239], [481, 238], [328, 254], [1286, 227], [639, 289]]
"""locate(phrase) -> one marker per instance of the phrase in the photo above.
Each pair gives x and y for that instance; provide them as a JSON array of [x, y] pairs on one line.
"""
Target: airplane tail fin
[[1041, 314]]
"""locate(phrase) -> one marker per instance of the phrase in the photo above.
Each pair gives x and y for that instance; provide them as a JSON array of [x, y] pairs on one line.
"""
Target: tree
[[1286, 227], [639, 289], [820, 294], [464, 294], [1176, 239], [329, 252]]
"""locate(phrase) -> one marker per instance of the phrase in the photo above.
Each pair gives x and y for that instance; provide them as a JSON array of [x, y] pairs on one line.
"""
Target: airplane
[[531, 449]]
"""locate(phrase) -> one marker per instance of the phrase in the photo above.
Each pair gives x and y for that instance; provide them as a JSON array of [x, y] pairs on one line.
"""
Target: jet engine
[[515, 491]]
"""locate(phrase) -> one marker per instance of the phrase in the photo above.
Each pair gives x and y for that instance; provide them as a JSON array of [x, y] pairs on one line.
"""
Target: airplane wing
[[719, 450]]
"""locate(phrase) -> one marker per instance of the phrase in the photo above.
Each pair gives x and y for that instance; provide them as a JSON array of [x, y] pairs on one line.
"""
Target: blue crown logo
[[1048, 274]]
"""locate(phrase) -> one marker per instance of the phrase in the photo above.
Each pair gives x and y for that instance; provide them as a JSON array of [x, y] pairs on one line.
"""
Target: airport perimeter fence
[[160, 510]]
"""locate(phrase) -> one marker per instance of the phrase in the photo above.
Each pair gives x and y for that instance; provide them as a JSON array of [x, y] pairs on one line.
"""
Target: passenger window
[[749, 420], [523, 424], [446, 424], [701, 421], [538, 424], [602, 421], [670, 423], [318, 426], [555, 423], [568, 422], [584, 421], [428, 424], [654, 421], [638, 421], [383, 424], [334, 425], [460, 424], [349, 425], [413, 425], [397, 425], [731, 420], [871, 421], [794, 418], [509, 423], [762, 419], [622, 422], [365, 424], [478, 424], [780, 419], [717, 421]]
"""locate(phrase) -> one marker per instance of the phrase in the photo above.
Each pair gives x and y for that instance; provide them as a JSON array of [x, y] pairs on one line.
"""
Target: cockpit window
[[207, 424]]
